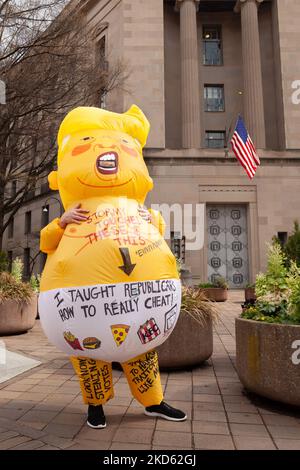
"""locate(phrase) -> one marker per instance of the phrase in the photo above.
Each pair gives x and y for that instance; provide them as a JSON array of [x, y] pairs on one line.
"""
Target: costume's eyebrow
[[65, 141]]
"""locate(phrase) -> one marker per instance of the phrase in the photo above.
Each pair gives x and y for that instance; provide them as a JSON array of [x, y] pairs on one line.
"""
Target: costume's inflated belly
[[110, 290]]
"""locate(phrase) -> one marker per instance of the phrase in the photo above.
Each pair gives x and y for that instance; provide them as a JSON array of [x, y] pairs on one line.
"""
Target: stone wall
[[287, 13]]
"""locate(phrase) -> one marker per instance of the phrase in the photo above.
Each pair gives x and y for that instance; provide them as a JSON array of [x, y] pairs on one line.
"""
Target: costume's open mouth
[[107, 163]]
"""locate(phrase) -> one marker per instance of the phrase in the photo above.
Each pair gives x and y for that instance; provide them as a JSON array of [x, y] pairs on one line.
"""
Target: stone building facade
[[195, 65]]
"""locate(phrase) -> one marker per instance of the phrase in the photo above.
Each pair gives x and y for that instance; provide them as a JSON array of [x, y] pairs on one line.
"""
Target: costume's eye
[[87, 139], [125, 141]]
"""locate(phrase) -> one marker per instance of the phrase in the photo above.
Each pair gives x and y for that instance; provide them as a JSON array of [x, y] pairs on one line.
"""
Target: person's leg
[[95, 378], [143, 377]]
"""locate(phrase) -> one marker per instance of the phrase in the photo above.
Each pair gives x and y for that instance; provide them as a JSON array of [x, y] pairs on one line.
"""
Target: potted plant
[[216, 291], [268, 333], [250, 296], [191, 342], [18, 301]]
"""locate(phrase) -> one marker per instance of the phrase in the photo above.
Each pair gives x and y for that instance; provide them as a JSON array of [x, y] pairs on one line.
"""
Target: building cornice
[[210, 156]]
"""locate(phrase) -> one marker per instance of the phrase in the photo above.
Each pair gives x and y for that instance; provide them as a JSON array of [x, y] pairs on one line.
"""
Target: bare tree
[[49, 67]]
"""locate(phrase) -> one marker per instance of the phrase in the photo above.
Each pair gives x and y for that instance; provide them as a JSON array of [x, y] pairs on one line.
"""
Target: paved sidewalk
[[42, 409]]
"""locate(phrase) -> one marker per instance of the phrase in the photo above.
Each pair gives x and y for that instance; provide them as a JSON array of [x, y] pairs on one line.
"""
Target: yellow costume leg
[[95, 378], [143, 378]]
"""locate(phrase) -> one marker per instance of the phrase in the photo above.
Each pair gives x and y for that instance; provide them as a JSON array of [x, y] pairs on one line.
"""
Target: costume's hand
[[145, 214], [73, 216]]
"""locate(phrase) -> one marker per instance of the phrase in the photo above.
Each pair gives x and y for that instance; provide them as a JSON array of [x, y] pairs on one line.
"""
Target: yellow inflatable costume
[[110, 289]]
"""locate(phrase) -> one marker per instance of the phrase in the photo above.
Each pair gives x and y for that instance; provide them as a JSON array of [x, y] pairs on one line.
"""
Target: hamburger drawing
[[91, 343]]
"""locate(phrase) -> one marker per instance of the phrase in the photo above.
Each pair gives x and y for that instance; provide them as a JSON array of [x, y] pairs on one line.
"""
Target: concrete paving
[[42, 409], [13, 364]]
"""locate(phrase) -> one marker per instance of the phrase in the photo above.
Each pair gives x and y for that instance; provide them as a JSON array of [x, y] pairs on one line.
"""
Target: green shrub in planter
[[11, 289], [191, 342], [18, 302], [205, 285], [220, 283], [277, 291], [195, 304]]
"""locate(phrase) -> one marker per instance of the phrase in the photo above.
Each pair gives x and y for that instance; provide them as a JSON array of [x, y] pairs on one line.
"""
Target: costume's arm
[[51, 236], [158, 221]]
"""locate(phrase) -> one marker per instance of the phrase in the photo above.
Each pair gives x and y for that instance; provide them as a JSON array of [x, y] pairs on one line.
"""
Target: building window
[[212, 45], [283, 238], [45, 216], [103, 65], [9, 259], [102, 54], [215, 139], [214, 98], [45, 188], [29, 195], [26, 263], [27, 228], [11, 228]]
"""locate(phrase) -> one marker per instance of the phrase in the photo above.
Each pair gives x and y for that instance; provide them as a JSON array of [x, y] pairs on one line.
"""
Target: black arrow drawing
[[128, 267]]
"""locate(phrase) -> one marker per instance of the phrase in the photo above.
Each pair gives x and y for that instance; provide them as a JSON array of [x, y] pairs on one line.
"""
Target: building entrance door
[[227, 252]]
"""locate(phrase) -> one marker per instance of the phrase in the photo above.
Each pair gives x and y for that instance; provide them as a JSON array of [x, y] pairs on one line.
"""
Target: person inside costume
[[110, 289]]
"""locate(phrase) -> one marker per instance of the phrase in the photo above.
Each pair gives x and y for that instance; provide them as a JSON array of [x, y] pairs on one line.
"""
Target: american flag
[[244, 149]]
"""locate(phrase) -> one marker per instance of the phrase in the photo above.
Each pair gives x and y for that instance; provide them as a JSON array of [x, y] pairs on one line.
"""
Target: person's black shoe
[[165, 411], [96, 417]]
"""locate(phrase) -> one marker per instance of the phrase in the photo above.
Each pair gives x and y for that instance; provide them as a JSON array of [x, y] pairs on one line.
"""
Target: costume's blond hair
[[133, 122]]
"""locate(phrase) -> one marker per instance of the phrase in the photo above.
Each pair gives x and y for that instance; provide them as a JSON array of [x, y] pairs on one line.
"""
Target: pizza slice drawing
[[120, 333]]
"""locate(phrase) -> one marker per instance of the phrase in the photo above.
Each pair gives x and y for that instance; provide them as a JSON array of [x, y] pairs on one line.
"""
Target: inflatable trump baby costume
[[110, 289]]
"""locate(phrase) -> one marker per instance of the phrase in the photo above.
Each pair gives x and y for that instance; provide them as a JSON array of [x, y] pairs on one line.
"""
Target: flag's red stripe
[[246, 152], [247, 156], [250, 151], [236, 152], [255, 155], [239, 154], [244, 155]]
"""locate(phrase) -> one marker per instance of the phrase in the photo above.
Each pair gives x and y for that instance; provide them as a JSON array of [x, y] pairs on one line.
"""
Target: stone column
[[253, 89], [190, 86]]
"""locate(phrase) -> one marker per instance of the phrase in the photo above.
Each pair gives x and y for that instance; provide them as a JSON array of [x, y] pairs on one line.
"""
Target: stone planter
[[216, 294], [190, 344], [17, 317], [250, 294], [268, 359]]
